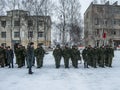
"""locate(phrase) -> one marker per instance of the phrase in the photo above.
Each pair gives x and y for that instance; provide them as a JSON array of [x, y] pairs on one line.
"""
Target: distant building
[[102, 24], [20, 27]]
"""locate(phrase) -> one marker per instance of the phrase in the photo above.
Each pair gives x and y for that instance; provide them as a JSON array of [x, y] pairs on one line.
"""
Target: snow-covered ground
[[49, 78]]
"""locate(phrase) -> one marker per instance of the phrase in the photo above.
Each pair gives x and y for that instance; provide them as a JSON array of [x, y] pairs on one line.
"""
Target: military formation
[[98, 56], [92, 57]]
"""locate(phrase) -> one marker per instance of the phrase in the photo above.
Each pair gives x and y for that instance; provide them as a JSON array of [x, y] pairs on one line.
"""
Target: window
[[3, 34], [41, 23], [17, 23], [113, 32], [40, 34], [99, 9], [115, 22], [3, 44], [97, 32], [30, 23], [30, 34], [105, 22], [119, 22], [16, 34], [3, 23], [96, 21]]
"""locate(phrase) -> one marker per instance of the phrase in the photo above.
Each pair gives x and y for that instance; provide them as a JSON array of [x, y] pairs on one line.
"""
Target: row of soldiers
[[6, 56], [92, 56], [22, 55], [67, 53], [96, 56]]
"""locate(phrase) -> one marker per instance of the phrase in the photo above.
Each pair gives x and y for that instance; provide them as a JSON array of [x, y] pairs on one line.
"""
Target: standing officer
[[39, 53], [30, 57], [10, 56], [57, 53]]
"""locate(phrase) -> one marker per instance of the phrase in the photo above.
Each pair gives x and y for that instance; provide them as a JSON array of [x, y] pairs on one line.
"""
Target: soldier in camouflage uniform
[[57, 53], [6, 62], [66, 55], [2, 56], [19, 54], [95, 57], [90, 55], [102, 56], [109, 56], [39, 53], [85, 57], [75, 56]]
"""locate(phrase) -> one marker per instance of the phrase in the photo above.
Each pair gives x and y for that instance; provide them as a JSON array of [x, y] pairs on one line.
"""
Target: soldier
[[85, 57], [57, 53], [23, 55], [95, 57], [6, 62], [75, 56], [2, 56], [39, 53], [66, 55], [110, 53], [90, 55], [15, 48], [30, 57], [102, 56], [19, 56], [10, 56]]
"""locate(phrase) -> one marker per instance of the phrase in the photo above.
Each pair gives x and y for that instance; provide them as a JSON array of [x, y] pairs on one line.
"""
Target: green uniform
[[75, 56], [109, 56], [102, 57], [85, 57], [90, 56], [57, 53], [39, 53], [19, 54], [2, 57], [66, 55], [95, 57]]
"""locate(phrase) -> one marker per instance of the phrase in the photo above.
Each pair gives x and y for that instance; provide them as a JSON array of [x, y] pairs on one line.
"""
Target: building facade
[[102, 24], [19, 26]]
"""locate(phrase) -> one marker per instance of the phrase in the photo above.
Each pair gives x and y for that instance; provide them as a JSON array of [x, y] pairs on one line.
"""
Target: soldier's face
[[8, 48], [32, 45]]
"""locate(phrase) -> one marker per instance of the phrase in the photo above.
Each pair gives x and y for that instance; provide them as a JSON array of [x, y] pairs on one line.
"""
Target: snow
[[49, 78]]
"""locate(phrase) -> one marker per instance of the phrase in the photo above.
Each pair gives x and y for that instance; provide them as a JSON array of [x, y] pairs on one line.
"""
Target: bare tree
[[69, 17]]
